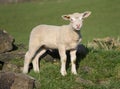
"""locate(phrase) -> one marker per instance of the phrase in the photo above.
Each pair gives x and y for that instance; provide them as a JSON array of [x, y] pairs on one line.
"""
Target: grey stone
[[12, 67], [6, 41], [22, 81], [11, 80], [6, 80], [83, 81], [18, 54]]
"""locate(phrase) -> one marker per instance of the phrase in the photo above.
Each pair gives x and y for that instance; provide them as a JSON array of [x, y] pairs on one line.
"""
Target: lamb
[[65, 37]]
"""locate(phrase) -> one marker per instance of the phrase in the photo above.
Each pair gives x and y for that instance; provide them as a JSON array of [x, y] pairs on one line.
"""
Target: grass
[[19, 19], [100, 69]]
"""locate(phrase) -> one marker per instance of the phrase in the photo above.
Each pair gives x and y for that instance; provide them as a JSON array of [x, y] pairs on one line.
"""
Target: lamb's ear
[[66, 17], [86, 14]]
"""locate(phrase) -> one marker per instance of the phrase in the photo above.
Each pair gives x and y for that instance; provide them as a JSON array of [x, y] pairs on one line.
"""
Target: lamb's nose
[[78, 25]]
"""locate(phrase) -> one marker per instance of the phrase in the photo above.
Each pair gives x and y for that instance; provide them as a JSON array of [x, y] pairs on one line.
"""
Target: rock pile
[[6, 41], [11, 80], [10, 75]]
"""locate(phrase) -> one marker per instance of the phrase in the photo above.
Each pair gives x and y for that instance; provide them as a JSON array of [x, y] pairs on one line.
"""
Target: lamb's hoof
[[74, 72], [36, 71], [63, 73]]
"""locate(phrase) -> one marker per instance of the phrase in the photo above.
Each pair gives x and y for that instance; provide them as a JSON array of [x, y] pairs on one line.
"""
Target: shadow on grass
[[53, 56], [82, 51]]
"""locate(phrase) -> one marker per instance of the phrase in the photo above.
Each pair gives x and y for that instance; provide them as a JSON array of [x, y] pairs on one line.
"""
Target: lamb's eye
[[80, 18], [72, 19]]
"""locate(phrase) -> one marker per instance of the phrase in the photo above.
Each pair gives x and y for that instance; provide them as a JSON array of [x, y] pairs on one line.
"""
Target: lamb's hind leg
[[27, 60], [36, 60], [29, 56]]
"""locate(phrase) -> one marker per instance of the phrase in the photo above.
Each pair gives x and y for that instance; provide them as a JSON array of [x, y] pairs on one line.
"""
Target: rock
[[12, 67], [6, 80], [6, 41], [8, 56], [23, 82], [11, 80], [87, 69], [83, 81], [37, 84], [13, 60], [103, 82], [1, 65]]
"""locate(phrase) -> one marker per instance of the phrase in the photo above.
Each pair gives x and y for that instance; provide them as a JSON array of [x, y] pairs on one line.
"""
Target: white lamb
[[66, 37]]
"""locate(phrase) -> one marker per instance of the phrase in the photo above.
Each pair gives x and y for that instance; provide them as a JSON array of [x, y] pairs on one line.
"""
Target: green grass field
[[19, 19], [100, 69]]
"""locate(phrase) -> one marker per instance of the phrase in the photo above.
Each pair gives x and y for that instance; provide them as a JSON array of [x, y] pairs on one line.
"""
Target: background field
[[99, 69], [19, 19]]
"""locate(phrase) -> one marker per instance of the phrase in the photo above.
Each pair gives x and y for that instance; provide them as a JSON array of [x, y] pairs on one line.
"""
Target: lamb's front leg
[[62, 53], [73, 61]]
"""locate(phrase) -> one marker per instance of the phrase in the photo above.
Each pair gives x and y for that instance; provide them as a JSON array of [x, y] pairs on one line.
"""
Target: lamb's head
[[76, 19]]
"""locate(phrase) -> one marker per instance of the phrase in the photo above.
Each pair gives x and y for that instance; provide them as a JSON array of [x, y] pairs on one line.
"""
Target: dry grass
[[107, 43]]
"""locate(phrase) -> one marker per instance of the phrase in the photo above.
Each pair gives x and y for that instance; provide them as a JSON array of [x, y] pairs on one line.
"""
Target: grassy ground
[[19, 19], [99, 69]]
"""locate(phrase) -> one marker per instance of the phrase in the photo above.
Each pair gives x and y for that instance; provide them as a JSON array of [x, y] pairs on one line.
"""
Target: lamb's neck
[[74, 31]]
